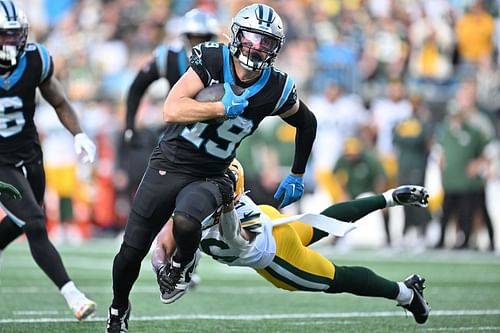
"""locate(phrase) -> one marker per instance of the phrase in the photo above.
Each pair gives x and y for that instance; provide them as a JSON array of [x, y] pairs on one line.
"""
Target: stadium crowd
[[400, 89]]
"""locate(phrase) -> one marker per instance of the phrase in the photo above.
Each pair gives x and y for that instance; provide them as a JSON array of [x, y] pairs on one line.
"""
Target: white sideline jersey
[[224, 243]]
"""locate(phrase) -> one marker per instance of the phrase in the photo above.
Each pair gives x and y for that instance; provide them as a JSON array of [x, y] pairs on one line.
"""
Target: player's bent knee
[[184, 224], [187, 233], [132, 254]]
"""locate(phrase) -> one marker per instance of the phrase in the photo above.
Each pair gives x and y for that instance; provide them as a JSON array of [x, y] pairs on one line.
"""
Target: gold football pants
[[295, 266]]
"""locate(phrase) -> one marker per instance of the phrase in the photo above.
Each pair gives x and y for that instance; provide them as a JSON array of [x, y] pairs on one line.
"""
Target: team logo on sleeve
[[196, 55]]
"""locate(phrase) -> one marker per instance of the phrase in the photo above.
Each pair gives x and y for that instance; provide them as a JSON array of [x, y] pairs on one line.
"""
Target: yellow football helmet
[[237, 169]]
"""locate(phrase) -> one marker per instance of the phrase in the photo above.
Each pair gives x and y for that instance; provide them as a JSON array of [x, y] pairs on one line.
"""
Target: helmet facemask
[[254, 49], [13, 37], [257, 36]]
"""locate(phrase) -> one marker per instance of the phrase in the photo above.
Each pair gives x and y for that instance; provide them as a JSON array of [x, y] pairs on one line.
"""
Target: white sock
[[405, 294], [388, 198], [71, 293]]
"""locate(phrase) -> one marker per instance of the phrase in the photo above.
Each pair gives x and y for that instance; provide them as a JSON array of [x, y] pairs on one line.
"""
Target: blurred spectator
[[474, 34], [60, 163], [432, 43], [358, 171], [386, 113], [412, 139], [339, 116], [336, 58], [463, 164], [488, 91], [385, 54]]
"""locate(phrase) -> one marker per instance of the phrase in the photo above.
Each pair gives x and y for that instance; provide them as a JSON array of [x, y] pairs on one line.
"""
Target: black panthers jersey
[[205, 149], [18, 135], [169, 62]]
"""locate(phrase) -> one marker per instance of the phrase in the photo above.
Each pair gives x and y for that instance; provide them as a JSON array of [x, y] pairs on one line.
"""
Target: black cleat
[[418, 305], [167, 293], [118, 320], [411, 195]]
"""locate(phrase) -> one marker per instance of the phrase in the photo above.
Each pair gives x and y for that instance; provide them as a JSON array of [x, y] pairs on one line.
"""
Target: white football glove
[[83, 143]]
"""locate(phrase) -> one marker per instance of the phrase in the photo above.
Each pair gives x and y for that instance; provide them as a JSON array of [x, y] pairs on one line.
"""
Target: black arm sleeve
[[305, 123], [144, 78]]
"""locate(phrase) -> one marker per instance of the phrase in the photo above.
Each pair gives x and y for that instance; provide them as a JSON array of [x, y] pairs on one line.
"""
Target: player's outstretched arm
[[53, 92], [164, 247]]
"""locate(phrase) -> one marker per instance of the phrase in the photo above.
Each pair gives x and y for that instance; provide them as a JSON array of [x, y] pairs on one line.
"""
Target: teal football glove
[[291, 188], [9, 190], [234, 105]]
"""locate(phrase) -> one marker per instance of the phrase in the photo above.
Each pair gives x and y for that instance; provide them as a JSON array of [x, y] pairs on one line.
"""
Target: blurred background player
[[24, 67], [244, 234]]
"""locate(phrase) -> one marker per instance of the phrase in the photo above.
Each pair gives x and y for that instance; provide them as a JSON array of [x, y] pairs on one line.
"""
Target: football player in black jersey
[[188, 165], [168, 62], [24, 67]]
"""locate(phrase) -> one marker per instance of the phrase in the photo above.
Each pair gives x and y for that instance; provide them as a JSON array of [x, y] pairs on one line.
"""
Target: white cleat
[[83, 308]]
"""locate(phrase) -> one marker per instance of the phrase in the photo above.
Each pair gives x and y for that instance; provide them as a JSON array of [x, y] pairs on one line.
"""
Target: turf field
[[463, 289]]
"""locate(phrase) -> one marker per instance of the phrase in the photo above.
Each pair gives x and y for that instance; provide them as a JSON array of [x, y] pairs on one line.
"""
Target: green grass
[[463, 289]]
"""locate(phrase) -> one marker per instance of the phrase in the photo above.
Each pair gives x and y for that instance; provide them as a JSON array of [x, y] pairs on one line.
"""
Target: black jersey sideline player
[[188, 165], [24, 67]]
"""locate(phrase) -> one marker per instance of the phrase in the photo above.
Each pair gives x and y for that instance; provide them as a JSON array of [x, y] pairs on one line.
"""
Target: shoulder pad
[[44, 57]]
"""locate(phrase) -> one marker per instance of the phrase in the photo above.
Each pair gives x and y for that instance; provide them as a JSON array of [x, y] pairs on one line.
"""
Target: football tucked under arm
[[214, 93]]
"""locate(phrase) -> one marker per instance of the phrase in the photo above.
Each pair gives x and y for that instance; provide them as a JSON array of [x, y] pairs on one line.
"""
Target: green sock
[[353, 210], [362, 281]]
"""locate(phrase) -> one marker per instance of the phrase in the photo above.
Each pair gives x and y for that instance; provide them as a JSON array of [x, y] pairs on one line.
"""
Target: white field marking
[[462, 329], [34, 312], [321, 322], [438, 313]]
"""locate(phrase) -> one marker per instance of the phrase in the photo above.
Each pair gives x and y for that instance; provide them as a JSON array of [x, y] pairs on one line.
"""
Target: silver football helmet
[[13, 34], [199, 26], [257, 35]]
